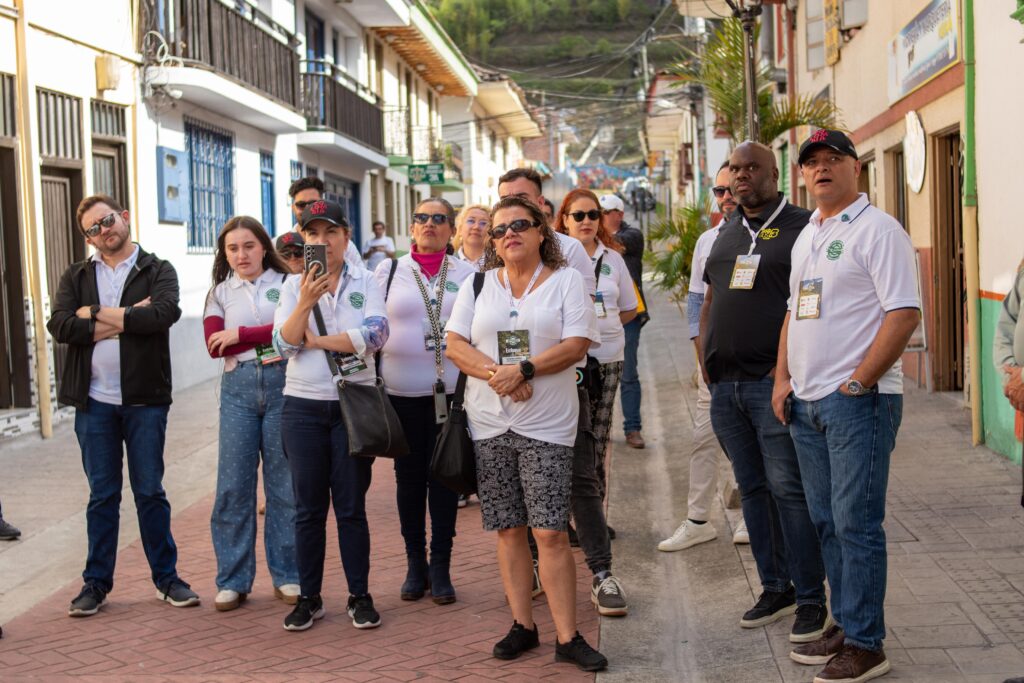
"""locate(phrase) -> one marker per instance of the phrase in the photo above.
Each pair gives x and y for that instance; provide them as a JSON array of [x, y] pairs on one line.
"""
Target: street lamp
[[747, 11]]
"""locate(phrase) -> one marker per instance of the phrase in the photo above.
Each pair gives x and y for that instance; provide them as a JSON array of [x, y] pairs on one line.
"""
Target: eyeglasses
[[303, 204], [578, 216], [289, 254], [437, 218], [516, 226], [105, 222], [720, 190], [483, 222]]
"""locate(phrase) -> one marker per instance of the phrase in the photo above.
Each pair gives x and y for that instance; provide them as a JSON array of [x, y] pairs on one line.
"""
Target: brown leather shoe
[[819, 651], [634, 440], [854, 665]]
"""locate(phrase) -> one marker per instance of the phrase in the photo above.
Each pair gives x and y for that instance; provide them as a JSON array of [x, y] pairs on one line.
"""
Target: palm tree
[[677, 236], [719, 70]]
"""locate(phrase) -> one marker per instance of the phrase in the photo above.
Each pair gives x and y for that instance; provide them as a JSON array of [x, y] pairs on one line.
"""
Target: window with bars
[[267, 190], [296, 170], [211, 156], [815, 10], [109, 151], [60, 125], [312, 171], [8, 129]]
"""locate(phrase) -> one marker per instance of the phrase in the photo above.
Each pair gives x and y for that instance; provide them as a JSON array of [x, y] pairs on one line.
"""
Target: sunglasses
[[289, 254], [305, 203], [516, 226], [105, 222], [437, 218], [720, 190], [578, 216]]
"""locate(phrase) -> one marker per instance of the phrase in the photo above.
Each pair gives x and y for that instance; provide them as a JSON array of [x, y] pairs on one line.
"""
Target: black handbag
[[453, 463], [371, 422]]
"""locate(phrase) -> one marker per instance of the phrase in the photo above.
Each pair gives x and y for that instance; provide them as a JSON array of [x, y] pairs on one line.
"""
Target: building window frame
[[211, 158], [268, 205]]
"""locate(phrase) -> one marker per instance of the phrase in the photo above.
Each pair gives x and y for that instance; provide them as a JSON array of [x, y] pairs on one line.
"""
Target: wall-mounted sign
[[926, 47], [833, 38], [431, 174], [914, 144]]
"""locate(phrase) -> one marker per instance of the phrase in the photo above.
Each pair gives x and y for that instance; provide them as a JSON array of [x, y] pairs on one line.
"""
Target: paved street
[[956, 576]]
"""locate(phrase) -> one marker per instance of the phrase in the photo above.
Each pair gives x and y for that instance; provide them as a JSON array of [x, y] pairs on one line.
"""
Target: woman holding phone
[[315, 441]]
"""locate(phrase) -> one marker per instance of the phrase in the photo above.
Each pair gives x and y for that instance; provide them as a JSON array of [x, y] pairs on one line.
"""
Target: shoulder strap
[[391, 276], [597, 269], [460, 384], [322, 331]]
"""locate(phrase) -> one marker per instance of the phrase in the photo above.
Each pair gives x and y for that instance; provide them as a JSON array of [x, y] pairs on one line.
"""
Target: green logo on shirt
[[356, 299], [835, 250], [273, 295], [606, 269], [451, 286]]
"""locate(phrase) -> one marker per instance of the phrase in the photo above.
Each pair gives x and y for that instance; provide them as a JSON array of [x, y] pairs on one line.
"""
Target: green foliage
[[719, 69], [678, 237]]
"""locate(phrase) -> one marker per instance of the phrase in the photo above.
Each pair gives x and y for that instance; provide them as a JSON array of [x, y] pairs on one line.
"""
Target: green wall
[[997, 414]]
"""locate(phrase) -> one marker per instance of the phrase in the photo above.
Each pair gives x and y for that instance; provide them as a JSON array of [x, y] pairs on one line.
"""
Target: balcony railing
[[239, 41], [451, 156], [396, 132], [330, 101]]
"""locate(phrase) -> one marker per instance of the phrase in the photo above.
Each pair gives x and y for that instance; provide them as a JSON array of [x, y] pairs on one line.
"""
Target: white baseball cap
[[611, 202]]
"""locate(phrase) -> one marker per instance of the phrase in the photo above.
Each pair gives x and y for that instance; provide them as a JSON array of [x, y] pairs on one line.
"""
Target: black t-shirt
[[744, 324]]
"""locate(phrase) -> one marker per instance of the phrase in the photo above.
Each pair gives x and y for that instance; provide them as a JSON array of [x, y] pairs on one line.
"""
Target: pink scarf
[[430, 263]]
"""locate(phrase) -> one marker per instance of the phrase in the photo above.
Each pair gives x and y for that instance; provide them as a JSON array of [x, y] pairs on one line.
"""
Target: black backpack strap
[[460, 384], [391, 276]]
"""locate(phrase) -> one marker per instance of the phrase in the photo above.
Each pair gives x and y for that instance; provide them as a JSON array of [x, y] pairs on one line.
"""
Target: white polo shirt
[[245, 304], [557, 309], [105, 382], [407, 366], [576, 257], [308, 374], [478, 264], [865, 261], [700, 256], [617, 292]]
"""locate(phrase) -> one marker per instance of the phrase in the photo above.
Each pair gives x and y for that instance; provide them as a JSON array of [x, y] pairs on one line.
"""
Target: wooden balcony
[[332, 101]]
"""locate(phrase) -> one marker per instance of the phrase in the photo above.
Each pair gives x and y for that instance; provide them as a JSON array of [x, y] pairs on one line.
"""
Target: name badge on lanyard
[[265, 353], [513, 346], [599, 305], [745, 271], [349, 363], [808, 303]]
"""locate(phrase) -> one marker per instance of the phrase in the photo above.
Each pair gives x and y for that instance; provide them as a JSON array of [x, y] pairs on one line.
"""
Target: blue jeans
[[101, 431], [844, 444], [782, 537], [316, 445], [250, 431], [630, 381]]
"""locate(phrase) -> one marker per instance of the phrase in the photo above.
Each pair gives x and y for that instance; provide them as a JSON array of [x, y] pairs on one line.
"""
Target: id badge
[[428, 335], [349, 364], [599, 305], [744, 272], [513, 346], [440, 403], [808, 303], [267, 354]]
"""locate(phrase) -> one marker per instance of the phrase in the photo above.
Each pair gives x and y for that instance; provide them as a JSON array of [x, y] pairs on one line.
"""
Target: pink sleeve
[[255, 335], [215, 323]]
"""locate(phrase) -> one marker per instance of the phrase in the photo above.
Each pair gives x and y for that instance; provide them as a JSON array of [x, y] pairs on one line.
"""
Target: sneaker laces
[[170, 586], [845, 654], [611, 586]]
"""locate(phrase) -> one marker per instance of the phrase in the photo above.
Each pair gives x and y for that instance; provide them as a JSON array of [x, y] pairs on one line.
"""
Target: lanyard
[[513, 303], [434, 314], [597, 272], [775, 214], [254, 294]]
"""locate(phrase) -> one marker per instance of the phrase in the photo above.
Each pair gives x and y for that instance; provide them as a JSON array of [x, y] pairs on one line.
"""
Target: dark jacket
[[633, 240], [145, 347]]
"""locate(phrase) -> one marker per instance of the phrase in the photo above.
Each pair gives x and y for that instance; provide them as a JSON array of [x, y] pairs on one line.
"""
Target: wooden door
[[64, 242], [948, 259]]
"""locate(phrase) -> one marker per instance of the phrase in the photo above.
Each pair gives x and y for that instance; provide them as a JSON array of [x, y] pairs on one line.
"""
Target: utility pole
[[748, 14]]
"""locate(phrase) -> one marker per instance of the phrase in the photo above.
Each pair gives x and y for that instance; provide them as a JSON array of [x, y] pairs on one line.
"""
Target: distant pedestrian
[[419, 291], [633, 241], [470, 239], [8, 532], [289, 248], [238, 323], [303, 193], [114, 311], [1008, 347], [324, 473], [548, 208], [518, 342], [747, 273], [705, 449], [378, 248], [853, 306]]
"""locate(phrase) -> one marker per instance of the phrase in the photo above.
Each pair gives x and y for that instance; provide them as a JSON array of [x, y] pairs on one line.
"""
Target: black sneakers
[[811, 622], [88, 601], [518, 641], [579, 652], [308, 609], [362, 612], [8, 532], [770, 607], [178, 593]]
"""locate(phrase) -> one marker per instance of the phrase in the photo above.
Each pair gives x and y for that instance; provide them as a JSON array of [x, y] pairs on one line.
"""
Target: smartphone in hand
[[315, 253]]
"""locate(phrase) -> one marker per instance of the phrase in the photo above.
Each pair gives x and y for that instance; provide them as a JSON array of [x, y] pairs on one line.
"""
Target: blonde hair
[[460, 221]]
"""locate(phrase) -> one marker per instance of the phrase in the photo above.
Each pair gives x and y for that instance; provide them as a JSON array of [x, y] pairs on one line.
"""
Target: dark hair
[[528, 173], [449, 209], [603, 236], [271, 259], [308, 183], [725, 164], [376, 223], [550, 251], [550, 205], [92, 201]]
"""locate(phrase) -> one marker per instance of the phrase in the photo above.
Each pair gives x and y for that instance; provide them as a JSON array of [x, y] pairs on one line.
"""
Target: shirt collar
[[234, 281], [127, 263], [847, 215], [600, 251]]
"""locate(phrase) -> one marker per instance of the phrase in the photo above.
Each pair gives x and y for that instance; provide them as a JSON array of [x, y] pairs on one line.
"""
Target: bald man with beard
[[747, 273]]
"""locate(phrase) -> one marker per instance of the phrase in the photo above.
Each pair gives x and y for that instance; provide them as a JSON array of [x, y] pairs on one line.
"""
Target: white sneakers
[[741, 536], [688, 534], [287, 593], [228, 600]]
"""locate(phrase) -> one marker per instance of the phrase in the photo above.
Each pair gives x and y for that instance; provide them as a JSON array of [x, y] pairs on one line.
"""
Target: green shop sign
[[431, 174]]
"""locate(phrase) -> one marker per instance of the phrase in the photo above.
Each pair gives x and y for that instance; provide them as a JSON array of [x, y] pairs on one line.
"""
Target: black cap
[[833, 139], [324, 210], [290, 239]]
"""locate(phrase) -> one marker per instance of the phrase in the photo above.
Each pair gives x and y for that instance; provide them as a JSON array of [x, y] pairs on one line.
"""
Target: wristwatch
[[94, 310], [526, 367], [856, 388]]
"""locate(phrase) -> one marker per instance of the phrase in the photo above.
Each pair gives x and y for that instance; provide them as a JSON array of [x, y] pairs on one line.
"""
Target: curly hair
[[603, 235], [308, 183], [550, 251], [460, 221]]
